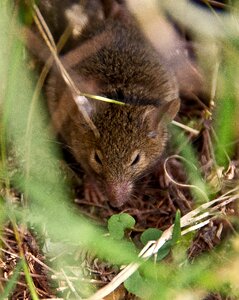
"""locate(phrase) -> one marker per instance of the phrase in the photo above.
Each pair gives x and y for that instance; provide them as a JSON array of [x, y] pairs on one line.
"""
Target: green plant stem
[[28, 277]]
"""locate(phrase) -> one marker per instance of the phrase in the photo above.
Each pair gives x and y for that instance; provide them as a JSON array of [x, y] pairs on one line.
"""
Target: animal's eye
[[97, 158], [135, 160]]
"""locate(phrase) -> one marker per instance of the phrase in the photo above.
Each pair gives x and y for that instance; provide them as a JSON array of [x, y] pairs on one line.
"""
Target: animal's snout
[[118, 193]]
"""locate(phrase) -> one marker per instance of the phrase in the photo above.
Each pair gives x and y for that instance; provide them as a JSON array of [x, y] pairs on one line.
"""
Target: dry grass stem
[[45, 32], [71, 285], [186, 128]]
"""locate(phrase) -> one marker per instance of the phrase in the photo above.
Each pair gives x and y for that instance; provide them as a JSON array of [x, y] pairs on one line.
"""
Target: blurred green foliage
[[24, 129]]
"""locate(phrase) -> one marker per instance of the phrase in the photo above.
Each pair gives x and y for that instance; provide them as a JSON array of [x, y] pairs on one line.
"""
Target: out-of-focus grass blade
[[176, 229], [227, 113], [191, 164]]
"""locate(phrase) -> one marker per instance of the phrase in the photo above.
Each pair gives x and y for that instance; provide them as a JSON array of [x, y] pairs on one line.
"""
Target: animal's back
[[127, 67]]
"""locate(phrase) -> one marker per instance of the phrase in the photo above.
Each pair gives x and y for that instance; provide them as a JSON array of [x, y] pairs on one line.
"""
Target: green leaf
[[135, 284], [150, 234], [177, 228], [164, 250], [118, 223]]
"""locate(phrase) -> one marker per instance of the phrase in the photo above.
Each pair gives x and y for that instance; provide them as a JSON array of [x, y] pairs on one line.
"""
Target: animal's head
[[131, 139]]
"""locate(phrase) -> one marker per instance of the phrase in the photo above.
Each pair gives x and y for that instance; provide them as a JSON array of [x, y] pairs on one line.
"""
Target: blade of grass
[[225, 124], [25, 267], [191, 164]]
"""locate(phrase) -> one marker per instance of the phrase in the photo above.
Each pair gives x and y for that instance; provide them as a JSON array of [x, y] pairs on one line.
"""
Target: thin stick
[[70, 285], [186, 128]]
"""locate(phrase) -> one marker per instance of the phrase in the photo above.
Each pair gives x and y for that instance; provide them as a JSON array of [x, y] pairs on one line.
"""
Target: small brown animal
[[115, 60]]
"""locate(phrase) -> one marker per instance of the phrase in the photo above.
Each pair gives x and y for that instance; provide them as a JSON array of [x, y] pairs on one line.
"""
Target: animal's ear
[[162, 115], [169, 111], [112, 7]]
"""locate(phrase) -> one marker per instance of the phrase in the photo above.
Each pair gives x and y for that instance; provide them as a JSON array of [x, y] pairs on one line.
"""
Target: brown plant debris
[[10, 257]]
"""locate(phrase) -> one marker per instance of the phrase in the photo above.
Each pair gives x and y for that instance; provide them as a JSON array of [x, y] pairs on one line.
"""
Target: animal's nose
[[118, 193]]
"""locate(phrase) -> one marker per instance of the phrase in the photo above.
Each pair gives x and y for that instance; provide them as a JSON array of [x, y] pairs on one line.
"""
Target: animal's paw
[[93, 192]]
